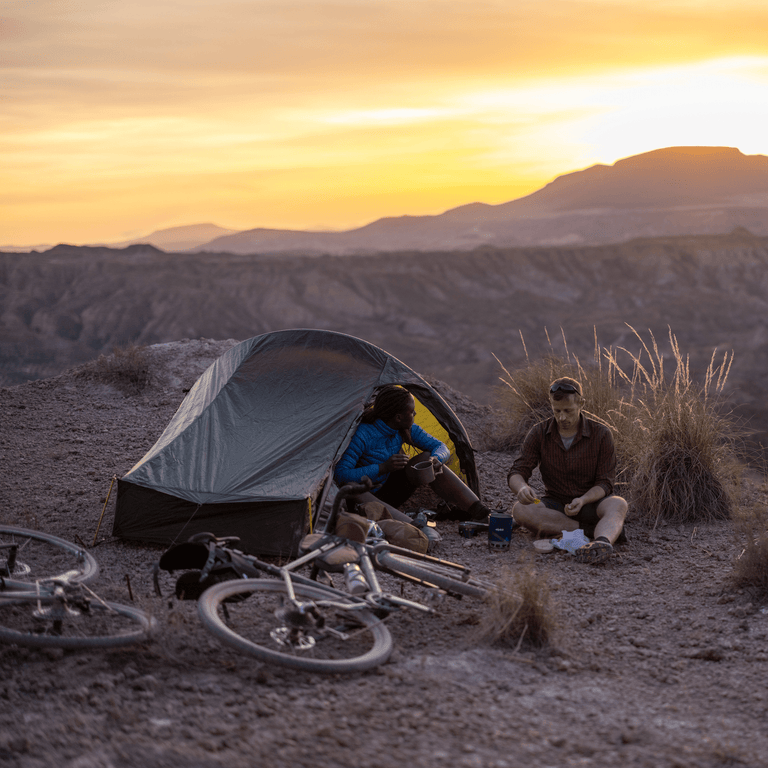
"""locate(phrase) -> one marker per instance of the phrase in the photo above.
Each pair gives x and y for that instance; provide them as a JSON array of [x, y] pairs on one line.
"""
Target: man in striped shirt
[[577, 461]]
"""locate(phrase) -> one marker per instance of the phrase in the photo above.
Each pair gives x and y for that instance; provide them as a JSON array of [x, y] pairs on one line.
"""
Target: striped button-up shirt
[[567, 474]]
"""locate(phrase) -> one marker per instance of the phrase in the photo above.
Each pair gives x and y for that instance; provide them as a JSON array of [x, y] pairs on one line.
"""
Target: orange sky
[[120, 118]]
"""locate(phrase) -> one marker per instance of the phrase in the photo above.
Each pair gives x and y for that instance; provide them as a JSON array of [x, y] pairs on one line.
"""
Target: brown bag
[[397, 532], [376, 511], [352, 527], [405, 535]]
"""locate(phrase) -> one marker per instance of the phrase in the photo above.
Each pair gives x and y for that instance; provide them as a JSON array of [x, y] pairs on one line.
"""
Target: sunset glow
[[123, 118]]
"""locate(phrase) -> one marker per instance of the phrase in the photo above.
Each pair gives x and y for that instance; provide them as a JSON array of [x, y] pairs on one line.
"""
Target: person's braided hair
[[389, 401]]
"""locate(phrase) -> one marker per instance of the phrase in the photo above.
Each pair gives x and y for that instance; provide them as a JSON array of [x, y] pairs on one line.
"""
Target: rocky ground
[[659, 660]]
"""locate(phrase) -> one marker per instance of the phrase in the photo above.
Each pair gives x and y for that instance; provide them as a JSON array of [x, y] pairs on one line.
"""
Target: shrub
[[678, 447], [127, 368], [677, 451], [519, 612]]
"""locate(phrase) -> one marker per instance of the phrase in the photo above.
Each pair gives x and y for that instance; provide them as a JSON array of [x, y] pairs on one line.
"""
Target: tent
[[251, 449]]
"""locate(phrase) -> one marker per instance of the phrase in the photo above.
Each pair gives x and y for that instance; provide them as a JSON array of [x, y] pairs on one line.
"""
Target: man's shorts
[[586, 518]]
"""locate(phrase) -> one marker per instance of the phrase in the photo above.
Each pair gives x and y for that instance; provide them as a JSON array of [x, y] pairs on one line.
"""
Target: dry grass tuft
[[678, 452], [678, 448], [519, 612], [127, 368], [751, 567]]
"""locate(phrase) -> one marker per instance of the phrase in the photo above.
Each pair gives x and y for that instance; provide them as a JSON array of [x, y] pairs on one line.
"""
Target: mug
[[422, 473]]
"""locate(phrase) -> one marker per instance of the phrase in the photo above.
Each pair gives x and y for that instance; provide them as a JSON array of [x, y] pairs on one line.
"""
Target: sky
[[122, 117]]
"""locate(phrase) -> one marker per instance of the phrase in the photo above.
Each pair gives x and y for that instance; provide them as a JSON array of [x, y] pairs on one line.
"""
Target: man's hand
[[393, 463], [526, 495], [574, 507]]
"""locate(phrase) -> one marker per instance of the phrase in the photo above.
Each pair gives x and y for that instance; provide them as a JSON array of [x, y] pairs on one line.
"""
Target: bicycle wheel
[[436, 574], [30, 556], [334, 634], [50, 622]]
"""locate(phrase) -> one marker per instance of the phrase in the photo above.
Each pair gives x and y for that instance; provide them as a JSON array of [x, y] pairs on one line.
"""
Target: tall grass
[[677, 449]]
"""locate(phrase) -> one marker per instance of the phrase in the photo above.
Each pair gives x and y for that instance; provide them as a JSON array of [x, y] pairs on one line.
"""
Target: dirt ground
[[659, 661]]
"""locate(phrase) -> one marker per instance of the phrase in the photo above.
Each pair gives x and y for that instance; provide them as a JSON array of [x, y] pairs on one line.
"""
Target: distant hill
[[674, 191], [178, 238], [665, 178], [666, 192], [182, 238]]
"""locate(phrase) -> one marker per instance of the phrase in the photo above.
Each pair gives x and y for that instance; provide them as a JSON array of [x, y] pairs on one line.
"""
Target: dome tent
[[251, 449]]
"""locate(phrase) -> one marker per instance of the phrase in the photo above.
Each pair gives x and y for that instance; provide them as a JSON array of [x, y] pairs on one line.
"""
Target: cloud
[[441, 99]]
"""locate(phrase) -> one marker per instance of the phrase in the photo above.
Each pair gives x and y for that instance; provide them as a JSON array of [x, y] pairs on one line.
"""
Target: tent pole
[[103, 509], [323, 496]]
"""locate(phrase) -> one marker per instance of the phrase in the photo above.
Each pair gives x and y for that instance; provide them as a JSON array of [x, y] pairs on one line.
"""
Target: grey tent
[[250, 451]]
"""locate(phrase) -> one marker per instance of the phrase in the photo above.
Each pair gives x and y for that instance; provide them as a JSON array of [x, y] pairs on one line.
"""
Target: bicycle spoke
[[30, 556], [59, 623], [319, 634]]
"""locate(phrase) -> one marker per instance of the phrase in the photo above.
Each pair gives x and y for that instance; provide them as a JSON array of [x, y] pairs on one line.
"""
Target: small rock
[[709, 654]]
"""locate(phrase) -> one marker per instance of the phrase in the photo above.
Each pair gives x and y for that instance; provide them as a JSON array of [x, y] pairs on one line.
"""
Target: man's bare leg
[[612, 512], [543, 520]]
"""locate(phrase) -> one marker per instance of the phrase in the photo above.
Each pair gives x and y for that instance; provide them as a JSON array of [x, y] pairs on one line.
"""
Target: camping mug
[[500, 526], [423, 473]]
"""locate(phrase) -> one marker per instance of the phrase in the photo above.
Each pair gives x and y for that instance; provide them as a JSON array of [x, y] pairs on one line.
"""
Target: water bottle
[[354, 579]]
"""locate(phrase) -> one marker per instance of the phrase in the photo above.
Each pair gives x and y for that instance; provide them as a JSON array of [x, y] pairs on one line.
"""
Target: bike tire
[[251, 626], [43, 622], [440, 576], [42, 557]]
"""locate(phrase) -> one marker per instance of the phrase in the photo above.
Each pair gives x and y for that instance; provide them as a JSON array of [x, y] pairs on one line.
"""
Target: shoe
[[594, 553], [449, 512], [622, 537], [478, 512]]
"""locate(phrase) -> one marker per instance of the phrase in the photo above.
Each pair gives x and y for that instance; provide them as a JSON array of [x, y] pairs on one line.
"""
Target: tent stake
[[103, 509]]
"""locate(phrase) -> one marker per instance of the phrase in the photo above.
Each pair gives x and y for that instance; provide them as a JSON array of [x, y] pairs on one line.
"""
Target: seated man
[[376, 451], [577, 460]]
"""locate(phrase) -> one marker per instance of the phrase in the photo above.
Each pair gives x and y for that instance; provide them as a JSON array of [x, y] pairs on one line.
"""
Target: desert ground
[[659, 661]]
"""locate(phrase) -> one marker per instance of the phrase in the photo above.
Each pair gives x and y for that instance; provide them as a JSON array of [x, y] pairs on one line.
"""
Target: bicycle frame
[[374, 597]]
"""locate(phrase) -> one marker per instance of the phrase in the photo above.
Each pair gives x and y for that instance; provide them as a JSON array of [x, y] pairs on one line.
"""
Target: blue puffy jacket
[[373, 444]]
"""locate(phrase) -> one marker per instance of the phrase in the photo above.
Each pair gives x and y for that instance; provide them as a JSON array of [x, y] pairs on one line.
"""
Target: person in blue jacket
[[376, 451]]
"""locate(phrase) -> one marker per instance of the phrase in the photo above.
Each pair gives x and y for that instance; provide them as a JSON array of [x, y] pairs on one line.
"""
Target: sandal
[[595, 552]]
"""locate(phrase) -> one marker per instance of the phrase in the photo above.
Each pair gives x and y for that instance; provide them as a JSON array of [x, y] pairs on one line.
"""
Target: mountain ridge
[[669, 191]]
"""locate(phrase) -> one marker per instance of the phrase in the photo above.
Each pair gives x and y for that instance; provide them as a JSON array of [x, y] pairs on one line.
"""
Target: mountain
[[673, 191], [183, 238], [665, 178]]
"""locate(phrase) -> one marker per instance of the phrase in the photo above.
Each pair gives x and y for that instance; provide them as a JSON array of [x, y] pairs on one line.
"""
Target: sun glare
[[720, 103], [554, 126]]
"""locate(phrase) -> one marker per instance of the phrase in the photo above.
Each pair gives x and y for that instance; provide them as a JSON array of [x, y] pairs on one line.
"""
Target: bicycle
[[304, 622], [45, 600]]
